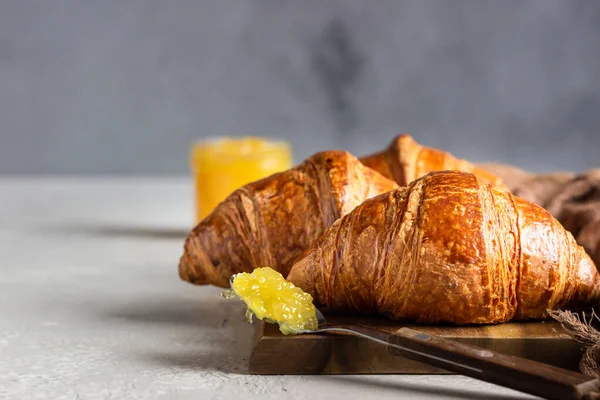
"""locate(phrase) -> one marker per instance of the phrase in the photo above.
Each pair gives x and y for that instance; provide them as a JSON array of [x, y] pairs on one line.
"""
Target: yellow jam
[[222, 165], [270, 297]]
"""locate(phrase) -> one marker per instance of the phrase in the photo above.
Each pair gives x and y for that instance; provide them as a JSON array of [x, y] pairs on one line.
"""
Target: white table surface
[[91, 306]]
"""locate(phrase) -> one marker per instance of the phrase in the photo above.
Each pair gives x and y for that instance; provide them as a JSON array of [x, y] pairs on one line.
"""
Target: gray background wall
[[119, 86]]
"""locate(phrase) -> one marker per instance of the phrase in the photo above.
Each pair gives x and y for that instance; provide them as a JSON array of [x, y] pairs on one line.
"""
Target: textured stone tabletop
[[91, 306]]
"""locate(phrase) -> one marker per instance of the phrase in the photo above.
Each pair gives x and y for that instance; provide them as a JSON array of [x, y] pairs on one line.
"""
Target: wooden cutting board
[[275, 353]]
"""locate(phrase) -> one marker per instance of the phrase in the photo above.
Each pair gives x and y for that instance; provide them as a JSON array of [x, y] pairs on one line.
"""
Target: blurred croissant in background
[[404, 160]]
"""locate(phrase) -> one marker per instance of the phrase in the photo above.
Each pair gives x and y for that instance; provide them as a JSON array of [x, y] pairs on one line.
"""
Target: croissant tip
[[188, 271], [404, 137]]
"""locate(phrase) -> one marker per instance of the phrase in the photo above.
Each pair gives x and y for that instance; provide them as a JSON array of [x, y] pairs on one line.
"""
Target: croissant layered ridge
[[405, 160], [448, 248], [268, 223]]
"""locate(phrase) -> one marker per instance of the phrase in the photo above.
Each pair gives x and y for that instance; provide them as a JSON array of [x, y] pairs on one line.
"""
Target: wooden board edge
[[322, 355]]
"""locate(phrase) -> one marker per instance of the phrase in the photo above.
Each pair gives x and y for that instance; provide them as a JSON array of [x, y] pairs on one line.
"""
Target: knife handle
[[513, 372]]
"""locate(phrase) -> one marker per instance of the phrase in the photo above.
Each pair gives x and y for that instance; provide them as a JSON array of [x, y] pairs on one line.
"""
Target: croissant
[[271, 221], [448, 249], [405, 160]]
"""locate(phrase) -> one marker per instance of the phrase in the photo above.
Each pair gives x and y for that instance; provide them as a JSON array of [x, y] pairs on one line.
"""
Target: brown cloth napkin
[[573, 199], [577, 206], [537, 188]]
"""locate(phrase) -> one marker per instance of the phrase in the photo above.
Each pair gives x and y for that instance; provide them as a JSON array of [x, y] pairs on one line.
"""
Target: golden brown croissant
[[269, 222], [448, 248], [405, 160]]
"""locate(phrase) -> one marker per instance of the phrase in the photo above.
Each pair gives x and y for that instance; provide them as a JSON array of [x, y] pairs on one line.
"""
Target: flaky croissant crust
[[268, 223], [448, 248]]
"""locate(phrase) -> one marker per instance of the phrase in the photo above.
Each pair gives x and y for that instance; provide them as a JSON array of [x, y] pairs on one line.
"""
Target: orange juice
[[222, 165]]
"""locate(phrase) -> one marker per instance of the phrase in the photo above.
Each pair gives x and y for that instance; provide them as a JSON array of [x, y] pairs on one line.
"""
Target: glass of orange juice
[[223, 164]]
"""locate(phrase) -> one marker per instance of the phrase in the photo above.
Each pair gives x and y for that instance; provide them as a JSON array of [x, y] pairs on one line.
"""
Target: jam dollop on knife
[[270, 297]]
